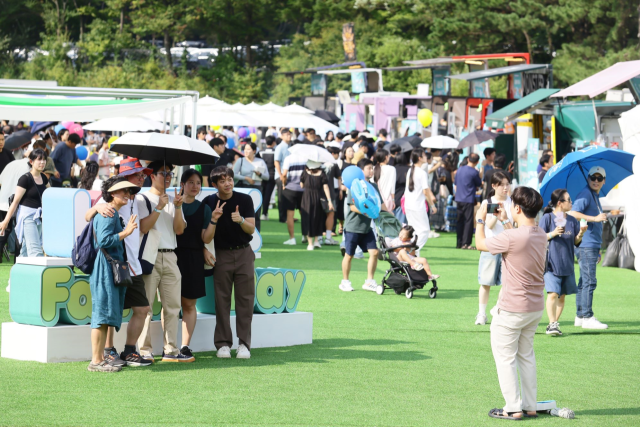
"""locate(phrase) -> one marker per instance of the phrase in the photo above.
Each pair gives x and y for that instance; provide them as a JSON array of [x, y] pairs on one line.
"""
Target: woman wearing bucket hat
[[316, 202], [107, 300]]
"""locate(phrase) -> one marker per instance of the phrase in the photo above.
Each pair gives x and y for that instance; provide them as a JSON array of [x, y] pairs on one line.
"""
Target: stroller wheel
[[409, 293], [380, 289], [433, 292]]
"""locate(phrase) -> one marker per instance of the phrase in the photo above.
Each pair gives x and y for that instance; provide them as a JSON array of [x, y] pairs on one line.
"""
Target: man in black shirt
[[234, 224], [268, 156], [218, 146], [5, 155]]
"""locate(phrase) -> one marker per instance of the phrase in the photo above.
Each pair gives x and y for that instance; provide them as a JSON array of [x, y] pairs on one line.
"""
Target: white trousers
[[512, 345], [419, 220]]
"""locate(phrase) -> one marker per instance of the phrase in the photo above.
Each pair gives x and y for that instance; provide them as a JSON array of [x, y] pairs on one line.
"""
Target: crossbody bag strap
[[106, 254]]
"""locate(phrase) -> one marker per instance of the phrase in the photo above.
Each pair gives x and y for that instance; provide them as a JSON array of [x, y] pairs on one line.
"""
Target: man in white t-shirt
[[165, 277], [136, 296]]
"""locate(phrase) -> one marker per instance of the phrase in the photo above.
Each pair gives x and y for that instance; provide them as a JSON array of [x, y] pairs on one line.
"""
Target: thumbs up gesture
[[235, 215]]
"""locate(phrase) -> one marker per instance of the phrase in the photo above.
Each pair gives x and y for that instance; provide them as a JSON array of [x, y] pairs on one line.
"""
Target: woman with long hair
[[329, 136], [490, 266], [249, 172], [345, 160], [190, 254], [28, 202], [416, 196], [385, 176], [401, 167], [347, 157], [564, 233], [315, 194], [89, 177]]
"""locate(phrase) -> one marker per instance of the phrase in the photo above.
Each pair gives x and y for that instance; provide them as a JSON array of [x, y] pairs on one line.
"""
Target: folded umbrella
[[475, 138], [571, 172], [17, 140]]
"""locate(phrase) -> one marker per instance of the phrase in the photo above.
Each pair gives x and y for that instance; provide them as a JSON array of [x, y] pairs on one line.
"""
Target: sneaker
[[187, 353], [291, 242], [345, 286], [578, 322], [359, 254], [224, 352], [134, 359], [148, 357], [176, 358], [593, 323], [330, 242], [317, 244], [310, 247], [433, 235], [103, 366], [343, 251], [243, 352], [264, 218], [304, 239], [112, 357], [552, 329], [370, 285], [481, 319]]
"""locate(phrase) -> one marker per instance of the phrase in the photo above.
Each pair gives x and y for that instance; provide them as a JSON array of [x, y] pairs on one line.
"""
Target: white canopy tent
[[126, 124]]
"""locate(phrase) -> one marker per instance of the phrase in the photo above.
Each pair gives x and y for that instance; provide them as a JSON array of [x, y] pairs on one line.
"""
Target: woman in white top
[[416, 195], [385, 176], [490, 266], [249, 172]]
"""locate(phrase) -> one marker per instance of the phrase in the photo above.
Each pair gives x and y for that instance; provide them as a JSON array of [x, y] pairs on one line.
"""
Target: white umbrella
[[125, 124], [439, 142], [312, 152], [178, 150]]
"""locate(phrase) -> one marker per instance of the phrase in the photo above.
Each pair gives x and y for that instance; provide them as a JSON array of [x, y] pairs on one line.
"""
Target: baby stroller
[[400, 276]]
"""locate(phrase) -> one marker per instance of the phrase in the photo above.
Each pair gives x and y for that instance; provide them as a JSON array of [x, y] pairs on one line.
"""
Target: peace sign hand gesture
[[177, 199], [235, 216], [217, 213]]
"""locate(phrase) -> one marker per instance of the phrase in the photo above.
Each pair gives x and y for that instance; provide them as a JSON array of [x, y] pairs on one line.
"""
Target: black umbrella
[[328, 116], [475, 138], [405, 146], [38, 126], [17, 140], [413, 141]]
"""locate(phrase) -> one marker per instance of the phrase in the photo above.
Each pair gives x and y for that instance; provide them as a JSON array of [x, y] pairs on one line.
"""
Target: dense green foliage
[[113, 40]]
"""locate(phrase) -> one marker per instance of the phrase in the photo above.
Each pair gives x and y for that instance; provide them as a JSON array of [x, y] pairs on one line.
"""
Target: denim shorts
[[353, 240], [561, 285], [490, 269]]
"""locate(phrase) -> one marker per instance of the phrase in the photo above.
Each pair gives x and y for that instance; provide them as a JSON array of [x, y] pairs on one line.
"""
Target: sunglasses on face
[[596, 178], [166, 174]]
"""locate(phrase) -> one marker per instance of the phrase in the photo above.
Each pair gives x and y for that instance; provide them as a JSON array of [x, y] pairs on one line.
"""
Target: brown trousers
[[234, 269]]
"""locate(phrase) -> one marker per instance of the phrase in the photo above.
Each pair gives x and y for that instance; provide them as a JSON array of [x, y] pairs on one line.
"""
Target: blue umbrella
[[571, 172], [38, 126]]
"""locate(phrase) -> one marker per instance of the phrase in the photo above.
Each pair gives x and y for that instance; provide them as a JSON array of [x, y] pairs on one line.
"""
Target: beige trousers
[[512, 344], [165, 278]]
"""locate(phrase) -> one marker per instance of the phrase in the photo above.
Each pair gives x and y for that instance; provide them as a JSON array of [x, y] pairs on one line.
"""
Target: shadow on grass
[[442, 293], [321, 351], [610, 411]]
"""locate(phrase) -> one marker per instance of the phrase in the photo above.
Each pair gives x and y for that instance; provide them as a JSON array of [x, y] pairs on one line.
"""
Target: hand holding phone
[[492, 208]]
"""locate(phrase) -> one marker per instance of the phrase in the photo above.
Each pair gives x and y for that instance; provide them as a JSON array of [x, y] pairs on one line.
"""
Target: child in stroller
[[407, 254]]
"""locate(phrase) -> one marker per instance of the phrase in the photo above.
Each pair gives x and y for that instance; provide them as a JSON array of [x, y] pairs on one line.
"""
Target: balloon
[[252, 129], [67, 125], [254, 137], [216, 127], [231, 143], [77, 129], [425, 116], [113, 138], [350, 173], [58, 128], [82, 152], [365, 198], [243, 132]]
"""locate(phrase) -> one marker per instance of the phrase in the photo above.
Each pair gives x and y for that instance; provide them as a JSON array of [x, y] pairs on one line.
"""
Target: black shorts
[[292, 199], [136, 296]]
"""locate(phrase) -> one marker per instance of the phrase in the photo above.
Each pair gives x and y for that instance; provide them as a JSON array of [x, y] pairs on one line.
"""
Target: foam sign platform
[[63, 211]]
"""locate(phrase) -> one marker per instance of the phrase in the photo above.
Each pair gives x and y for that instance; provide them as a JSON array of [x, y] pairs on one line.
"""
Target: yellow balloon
[[254, 137], [217, 127], [425, 117], [113, 138]]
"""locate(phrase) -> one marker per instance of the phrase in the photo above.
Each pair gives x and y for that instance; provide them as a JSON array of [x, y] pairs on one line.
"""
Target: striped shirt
[[294, 165]]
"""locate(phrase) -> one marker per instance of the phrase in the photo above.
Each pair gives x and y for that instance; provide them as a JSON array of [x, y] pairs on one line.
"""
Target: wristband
[[214, 223], [549, 236], [505, 222], [157, 210], [242, 222], [179, 207]]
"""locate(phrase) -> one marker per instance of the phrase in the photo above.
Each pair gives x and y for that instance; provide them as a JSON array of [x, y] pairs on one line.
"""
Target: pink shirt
[[524, 254]]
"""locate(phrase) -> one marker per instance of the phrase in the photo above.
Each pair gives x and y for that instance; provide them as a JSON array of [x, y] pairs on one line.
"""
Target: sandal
[[417, 267], [502, 414], [434, 277]]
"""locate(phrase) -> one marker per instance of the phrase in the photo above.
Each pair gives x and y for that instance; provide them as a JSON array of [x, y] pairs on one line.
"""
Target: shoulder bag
[[120, 269], [148, 245]]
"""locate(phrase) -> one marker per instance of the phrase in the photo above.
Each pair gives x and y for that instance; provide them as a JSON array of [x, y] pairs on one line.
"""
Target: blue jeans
[[587, 260], [400, 216], [31, 238]]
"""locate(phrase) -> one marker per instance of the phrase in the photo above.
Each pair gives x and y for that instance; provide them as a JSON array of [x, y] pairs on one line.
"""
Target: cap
[[313, 164], [124, 184], [597, 169]]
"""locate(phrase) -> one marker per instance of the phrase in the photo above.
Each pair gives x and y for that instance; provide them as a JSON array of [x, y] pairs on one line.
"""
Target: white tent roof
[[125, 124]]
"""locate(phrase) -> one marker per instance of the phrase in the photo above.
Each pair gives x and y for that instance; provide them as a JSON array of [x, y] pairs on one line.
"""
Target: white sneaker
[[481, 319], [578, 322], [345, 286], [291, 242], [243, 352], [317, 244], [593, 323], [264, 218], [370, 285], [359, 254], [331, 242], [224, 352], [310, 247], [433, 235]]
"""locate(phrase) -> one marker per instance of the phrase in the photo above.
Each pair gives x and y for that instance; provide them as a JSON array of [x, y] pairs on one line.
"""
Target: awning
[[579, 120], [495, 72], [603, 81], [79, 110], [522, 106]]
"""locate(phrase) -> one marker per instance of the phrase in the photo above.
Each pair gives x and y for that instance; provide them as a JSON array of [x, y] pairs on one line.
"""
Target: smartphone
[[492, 208]]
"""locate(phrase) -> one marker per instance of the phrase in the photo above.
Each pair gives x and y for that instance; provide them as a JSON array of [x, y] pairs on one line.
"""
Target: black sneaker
[[177, 358], [112, 357], [343, 251], [552, 329], [186, 352], [134, 359]]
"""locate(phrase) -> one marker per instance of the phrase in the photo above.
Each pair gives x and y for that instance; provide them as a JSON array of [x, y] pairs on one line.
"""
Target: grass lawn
[[375, 361]]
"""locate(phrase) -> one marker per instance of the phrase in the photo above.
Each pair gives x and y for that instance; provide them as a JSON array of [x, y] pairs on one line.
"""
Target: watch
[[480, 221], [242, 222]]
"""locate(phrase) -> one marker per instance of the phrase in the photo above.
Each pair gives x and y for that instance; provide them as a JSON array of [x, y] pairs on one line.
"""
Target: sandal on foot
[[502, 414], [417, 266], [434, 277]]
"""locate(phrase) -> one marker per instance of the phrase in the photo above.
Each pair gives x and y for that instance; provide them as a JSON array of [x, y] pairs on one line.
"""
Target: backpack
[[83, 253]]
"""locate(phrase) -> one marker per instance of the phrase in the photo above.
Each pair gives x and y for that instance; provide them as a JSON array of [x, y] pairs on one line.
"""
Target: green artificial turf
[[375, 361]]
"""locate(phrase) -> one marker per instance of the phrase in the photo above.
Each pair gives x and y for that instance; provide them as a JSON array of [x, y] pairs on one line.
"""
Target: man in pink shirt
[[521, 302]]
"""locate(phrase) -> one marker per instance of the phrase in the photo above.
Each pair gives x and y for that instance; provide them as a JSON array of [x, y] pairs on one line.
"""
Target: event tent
[[126, 124]]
